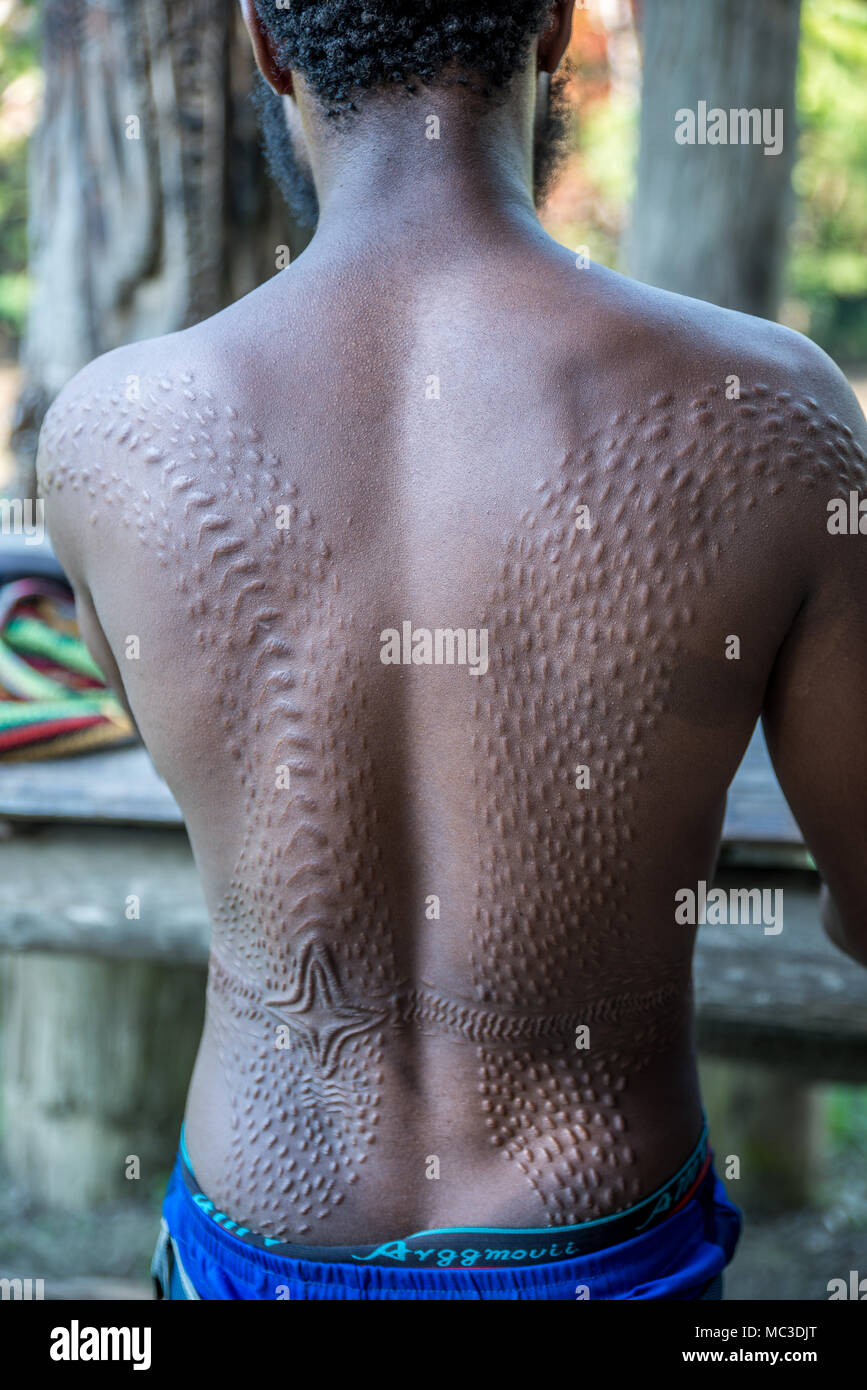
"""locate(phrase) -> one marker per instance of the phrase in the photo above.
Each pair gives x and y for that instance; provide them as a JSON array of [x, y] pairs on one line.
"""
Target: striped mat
[[53, 699]]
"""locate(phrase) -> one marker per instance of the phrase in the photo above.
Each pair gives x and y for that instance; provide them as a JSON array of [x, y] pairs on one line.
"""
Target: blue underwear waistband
[[529, 1245], [674, 1259]]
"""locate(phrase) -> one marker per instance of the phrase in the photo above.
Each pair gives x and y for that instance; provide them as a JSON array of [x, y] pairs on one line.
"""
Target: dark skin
[[432, 393]]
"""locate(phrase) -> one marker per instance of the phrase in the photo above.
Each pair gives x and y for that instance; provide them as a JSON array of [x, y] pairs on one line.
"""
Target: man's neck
[[410, 166]]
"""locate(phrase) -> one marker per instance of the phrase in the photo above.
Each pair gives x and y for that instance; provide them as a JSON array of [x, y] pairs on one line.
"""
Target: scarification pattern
[[586, 635], [286, 688], [322, 1030], [588, 629]]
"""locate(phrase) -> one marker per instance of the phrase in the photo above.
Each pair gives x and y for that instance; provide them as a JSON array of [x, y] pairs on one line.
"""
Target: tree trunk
[[710, 220], [150, 207]]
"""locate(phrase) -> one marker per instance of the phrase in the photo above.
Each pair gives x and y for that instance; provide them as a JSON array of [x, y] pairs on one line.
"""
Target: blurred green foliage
[[847, 1120], [827, 270], [826, 274], [18, 60], [826, 277], [608, 139]]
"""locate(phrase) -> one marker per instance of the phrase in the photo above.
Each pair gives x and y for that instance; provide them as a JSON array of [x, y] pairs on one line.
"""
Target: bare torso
[[425, 880]]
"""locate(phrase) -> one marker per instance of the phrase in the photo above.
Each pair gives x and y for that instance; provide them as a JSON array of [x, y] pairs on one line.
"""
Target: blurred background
[[133, 202]]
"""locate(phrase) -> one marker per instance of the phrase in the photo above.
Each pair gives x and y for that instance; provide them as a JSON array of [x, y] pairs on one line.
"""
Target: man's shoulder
[[722, 374], [123, 407], [138, 388], [107, 389], [691, 340], [133, 442]]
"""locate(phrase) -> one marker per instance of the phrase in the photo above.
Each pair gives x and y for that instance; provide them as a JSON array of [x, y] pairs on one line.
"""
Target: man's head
[[348, 50]]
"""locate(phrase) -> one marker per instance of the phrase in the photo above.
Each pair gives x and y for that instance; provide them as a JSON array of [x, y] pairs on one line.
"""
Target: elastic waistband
[[676, 1259], [469, 1245]]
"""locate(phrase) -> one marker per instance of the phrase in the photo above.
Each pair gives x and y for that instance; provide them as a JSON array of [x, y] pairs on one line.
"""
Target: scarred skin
[[259, 497]]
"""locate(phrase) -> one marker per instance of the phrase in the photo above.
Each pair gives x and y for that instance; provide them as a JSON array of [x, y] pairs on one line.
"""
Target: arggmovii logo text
[[76, 1343]]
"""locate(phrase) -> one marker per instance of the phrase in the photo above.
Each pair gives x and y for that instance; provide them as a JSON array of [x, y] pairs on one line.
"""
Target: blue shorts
[[681, 1258]]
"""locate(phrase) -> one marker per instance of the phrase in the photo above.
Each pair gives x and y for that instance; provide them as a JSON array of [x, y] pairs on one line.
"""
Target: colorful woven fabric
[[53, 699]]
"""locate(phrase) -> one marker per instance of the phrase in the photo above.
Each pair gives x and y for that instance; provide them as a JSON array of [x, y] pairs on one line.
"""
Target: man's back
[[455, 614]]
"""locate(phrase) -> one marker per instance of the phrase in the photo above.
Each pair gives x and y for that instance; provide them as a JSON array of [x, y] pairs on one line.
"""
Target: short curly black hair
[[344, 48]]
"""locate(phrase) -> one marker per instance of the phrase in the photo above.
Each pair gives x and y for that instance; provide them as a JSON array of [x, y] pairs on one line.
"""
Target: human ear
[[278, 78], [554, 39]]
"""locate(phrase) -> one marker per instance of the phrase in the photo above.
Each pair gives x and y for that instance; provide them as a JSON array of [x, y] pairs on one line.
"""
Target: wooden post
[[771, 1123], [98, 1055]]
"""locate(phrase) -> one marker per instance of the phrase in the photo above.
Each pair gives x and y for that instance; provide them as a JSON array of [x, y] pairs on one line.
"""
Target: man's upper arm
[[815, 712]]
